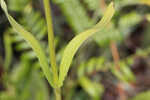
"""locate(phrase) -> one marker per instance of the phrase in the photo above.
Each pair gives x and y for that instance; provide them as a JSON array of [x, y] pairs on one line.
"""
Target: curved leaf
[[76, 42], [32, 42]]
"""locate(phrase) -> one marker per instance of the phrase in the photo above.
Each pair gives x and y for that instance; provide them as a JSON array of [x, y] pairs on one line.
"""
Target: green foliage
[[92, 5], [75, 14], [33, 42], [93, 64], [21, 84], [108, 36], [92, 88], [127, 22], [142, 96], [78, 18], [76, 42], [70, 50], [8, 50], [36, 25], [124, 73], [17, 5]]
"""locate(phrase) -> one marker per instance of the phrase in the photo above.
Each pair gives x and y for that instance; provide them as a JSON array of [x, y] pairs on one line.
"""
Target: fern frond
[[75, 14]]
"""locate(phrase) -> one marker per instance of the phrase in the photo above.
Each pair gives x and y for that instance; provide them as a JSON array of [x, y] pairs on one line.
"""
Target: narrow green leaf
[[76, 42], [8, 50], [32, 42], [127, 73]]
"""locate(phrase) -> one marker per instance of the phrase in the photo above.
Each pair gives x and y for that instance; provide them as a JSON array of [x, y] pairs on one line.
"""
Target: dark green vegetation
[[99, 71]]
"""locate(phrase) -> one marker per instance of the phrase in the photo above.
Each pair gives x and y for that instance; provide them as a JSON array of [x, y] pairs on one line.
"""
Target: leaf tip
[[112, 4]]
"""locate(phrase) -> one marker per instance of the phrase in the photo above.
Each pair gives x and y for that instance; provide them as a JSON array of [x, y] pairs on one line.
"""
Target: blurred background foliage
[[111, 66]]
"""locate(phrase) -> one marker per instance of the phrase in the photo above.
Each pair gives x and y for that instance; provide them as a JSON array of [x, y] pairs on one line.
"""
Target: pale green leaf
[[32, 42], [76, 42]]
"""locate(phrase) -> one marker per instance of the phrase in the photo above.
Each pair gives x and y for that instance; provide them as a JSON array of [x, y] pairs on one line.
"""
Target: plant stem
[[52, 47], [102, 5], [51, 40], [115, 54], [58, 93]]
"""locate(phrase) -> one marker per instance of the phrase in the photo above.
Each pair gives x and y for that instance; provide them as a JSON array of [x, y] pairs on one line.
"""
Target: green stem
[[51, 40], [52, 47], [58, 93]]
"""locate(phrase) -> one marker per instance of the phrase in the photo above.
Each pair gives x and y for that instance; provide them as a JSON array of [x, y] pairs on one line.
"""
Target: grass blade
[[32, 42], [77, 41], [8, 50]]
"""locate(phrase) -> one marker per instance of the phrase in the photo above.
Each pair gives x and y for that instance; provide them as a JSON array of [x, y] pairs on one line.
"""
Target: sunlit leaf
[[76, 42]]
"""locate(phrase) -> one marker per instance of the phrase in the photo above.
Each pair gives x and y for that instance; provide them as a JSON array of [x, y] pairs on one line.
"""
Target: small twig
[[122, 93], [102, 5], [115, 54]]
